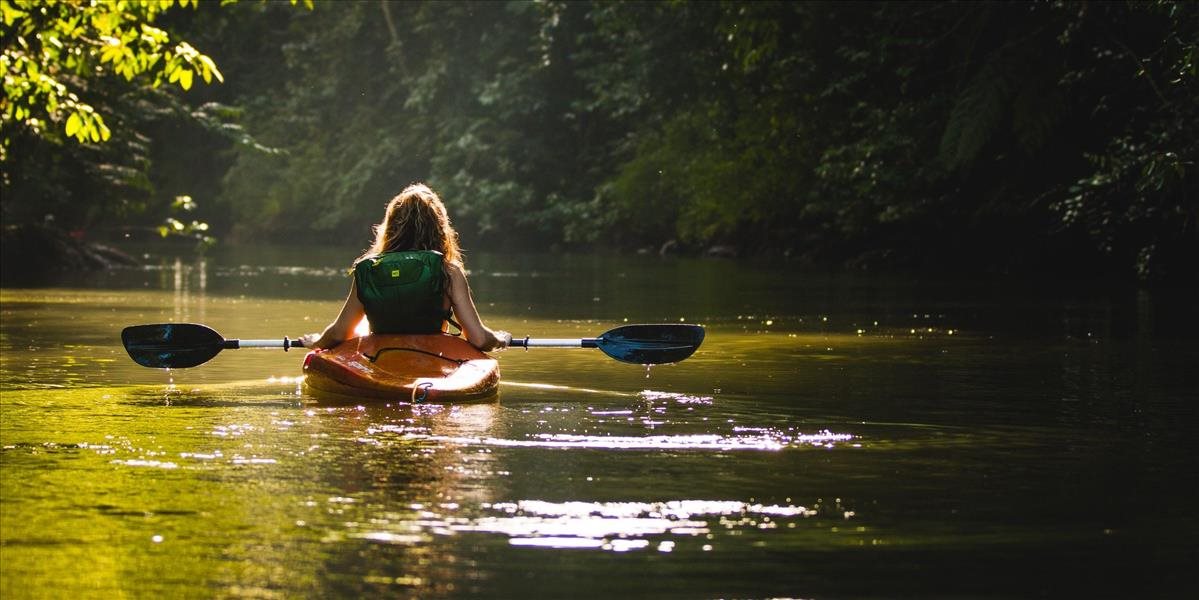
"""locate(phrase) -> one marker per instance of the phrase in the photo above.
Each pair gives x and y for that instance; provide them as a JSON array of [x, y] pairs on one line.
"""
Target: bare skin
[[459, 299]]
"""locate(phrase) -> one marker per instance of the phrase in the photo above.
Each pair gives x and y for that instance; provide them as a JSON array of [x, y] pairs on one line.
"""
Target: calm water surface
[[836, 436]]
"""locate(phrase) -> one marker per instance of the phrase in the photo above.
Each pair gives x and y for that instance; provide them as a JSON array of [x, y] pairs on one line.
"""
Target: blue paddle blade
[[651, 344], [171, 345]]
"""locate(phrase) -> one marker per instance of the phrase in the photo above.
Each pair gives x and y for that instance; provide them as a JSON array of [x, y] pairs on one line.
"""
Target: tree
[[83, 85], [54, 49], [996, 136]]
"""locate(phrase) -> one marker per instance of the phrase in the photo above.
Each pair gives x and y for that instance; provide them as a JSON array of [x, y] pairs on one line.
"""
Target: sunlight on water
[[745, 439], [560, 388], [613, 526], [158, 464], [674, 510], [657, 442], [651, 395], [653, 442]]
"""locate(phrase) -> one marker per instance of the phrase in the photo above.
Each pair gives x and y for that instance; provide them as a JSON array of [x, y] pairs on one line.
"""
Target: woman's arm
[[341, 328], [468, 316]]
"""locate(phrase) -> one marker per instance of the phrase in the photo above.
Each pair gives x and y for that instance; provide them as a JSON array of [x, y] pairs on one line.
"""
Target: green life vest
[[403, 292]]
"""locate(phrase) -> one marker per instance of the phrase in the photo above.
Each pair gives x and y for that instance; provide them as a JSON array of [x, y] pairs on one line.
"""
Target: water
[[836, 436]]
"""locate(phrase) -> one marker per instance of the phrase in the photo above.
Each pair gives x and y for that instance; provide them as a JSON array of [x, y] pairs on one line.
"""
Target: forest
[[966, 137]]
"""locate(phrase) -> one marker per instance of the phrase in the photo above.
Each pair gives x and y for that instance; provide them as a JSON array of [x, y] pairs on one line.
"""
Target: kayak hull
[[416, 368]]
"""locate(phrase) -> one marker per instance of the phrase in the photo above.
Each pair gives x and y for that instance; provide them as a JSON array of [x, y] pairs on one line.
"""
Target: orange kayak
[[418, 368]]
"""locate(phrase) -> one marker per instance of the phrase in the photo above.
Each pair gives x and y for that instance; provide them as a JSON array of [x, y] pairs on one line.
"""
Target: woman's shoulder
[[454, 269]]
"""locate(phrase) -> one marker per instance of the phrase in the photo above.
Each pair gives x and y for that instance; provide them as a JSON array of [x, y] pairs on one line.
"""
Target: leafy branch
[[52, 49]]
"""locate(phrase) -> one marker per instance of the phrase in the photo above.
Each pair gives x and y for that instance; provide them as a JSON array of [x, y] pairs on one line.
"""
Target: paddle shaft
[[555, 343], [516, 343], [526, 342], [285, 343]]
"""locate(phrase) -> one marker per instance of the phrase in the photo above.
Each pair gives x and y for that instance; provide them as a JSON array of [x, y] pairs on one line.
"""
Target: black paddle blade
[[651, 344], [171, 345]]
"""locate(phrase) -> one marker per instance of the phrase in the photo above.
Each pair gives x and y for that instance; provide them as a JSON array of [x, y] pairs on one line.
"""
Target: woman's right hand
[[503, 339]]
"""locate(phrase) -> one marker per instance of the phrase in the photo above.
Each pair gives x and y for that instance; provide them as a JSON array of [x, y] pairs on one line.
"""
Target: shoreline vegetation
[[981, 138], [35, 254], [49, 257]]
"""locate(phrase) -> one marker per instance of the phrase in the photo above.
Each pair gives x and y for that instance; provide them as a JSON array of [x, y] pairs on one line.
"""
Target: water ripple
[[612, 526], [767, 441]]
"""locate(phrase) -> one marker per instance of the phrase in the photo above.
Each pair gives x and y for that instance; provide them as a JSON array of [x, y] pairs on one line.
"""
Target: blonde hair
[[416, 220]]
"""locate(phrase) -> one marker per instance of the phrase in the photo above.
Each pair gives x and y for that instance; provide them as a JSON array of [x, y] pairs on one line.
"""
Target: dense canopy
[[995, 136]]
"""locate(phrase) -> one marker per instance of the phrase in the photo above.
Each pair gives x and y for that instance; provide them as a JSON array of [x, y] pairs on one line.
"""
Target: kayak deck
[[417, 368]]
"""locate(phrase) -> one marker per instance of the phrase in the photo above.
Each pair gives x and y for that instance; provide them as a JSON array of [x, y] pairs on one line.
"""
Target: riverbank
[[33, 254]]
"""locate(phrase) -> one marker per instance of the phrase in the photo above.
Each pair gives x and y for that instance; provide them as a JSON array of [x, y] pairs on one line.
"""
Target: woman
[[412, 279]]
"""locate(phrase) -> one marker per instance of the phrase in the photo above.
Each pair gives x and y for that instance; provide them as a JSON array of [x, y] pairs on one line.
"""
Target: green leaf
[[210, 70], [73, 124], [11, 14], [183, 203]]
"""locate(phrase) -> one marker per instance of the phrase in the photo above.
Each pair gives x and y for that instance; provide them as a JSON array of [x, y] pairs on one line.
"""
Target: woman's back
[[403, 292]]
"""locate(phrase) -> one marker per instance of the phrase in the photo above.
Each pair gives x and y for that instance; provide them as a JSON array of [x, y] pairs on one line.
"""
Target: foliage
[[1014, 137], [53, 48], [84, 96], [1137, 196]]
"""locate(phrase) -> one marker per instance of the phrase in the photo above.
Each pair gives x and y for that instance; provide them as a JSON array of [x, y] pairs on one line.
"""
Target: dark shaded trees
[[997, 136]]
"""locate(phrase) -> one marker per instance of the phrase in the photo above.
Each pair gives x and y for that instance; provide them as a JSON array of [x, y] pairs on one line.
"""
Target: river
[[837, 435]]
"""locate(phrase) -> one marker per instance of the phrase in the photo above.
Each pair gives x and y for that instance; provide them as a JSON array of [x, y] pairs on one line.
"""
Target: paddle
[[637, 344], [183, 345]]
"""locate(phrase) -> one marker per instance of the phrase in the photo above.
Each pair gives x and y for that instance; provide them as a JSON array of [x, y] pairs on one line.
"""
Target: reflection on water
[[653, 442], [834, 436], [615, 526]]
